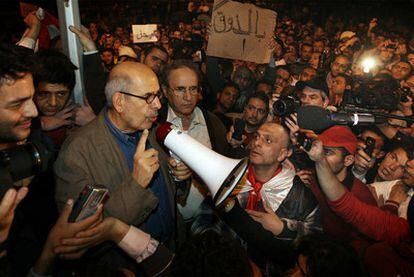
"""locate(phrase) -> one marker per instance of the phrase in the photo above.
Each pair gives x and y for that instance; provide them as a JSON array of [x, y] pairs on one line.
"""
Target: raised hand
[[363, 162], [62, 118], [292, 123], [398, 193], [145, 162], [316, 153], [8, 205], [84, 114], [85, 38]]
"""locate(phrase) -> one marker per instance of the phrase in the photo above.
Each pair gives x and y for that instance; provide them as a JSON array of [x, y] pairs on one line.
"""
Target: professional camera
[[22, 161], [380, 93], [285, 106]]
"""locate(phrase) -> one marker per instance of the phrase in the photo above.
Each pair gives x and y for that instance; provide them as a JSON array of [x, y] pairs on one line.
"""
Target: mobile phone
[[198, 55], [370, 145], [304, 141], [88, 201], [239, 125]]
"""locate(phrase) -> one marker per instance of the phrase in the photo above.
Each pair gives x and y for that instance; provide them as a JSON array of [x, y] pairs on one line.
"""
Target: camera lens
[[284, 106]]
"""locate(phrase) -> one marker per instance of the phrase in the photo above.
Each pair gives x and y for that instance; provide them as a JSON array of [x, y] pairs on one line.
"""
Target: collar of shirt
[[122, 137], [197, 118]]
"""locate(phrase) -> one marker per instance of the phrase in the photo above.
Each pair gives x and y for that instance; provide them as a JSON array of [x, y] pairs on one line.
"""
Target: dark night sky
[[402, 9]]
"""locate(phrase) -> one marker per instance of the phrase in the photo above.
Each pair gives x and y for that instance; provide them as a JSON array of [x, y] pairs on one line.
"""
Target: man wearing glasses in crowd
[[119, 150], [181, 87]]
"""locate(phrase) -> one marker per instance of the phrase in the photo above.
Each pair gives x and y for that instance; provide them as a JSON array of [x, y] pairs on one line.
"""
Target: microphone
[[318, 119]]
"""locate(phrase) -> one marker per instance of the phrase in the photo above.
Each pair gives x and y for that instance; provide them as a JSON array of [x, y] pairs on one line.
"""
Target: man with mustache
[[254, 115], [181, 87], [118, 149], [271, 192]]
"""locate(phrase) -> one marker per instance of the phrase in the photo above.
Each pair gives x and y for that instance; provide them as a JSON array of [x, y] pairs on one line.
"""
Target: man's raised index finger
[[142, 141]]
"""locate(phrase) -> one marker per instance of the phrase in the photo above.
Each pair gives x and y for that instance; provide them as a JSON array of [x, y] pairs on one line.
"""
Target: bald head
[[278, 131], [269, 147], [131, 77]]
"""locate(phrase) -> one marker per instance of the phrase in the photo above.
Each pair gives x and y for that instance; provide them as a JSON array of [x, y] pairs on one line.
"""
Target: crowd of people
[[331, 201]]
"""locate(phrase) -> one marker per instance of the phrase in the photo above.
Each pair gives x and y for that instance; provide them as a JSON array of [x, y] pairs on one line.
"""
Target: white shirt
[[198, 131], [384, 189], [198, 127]]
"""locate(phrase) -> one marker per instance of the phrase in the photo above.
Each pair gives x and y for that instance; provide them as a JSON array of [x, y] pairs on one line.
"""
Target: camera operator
[[313, 92], [16, 113]]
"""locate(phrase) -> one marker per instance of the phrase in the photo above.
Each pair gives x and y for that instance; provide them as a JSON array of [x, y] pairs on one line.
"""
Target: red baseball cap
[[339, 136]]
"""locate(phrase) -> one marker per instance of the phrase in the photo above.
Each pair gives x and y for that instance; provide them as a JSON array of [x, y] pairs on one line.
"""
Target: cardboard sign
[[241, 31], [144, 33]]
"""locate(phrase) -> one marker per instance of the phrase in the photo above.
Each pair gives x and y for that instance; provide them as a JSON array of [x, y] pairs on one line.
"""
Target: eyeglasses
[[181, 90], [149, 98]]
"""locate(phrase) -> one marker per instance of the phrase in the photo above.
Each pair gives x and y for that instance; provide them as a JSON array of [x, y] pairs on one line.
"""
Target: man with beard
[[254, 115], [155, 57], [225, 101]]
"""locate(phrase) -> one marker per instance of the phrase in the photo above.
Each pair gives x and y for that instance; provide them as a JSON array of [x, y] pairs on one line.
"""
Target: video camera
[[378, 94], [21, 161], [285, 106]]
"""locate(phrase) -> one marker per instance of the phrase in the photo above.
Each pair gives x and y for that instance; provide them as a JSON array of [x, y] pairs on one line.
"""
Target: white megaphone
[[219, 173]]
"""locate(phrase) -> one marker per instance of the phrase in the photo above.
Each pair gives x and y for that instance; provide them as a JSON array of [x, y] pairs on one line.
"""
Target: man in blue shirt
[[117, 149]]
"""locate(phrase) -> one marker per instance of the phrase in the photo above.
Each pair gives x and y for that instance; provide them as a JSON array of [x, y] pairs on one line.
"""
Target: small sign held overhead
[[144, 33]]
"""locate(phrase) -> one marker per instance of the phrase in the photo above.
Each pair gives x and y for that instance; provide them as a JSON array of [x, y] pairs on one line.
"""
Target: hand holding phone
[[239, 125], [304, 141], [369, 146], [88, 202]]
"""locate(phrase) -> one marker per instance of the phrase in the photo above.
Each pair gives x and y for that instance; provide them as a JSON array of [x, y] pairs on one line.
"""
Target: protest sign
[[144, 33], [241, 31]]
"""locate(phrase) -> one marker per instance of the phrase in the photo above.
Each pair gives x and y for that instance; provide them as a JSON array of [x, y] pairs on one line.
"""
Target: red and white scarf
[[273, 192]]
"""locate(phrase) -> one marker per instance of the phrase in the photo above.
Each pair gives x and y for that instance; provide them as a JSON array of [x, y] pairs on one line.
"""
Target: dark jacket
[[216, 130]]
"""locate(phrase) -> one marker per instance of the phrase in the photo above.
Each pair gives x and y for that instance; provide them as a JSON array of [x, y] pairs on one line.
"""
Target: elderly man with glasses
[[119, 150], [181, 87]]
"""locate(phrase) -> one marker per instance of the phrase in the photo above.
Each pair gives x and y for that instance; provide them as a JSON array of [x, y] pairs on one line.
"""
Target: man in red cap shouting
[[340, 144]]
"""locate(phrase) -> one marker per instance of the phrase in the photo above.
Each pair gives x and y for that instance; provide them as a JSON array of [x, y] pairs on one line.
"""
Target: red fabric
[[333, 224], [339, 136], [44, 37], [372, 221], [254, 195], [58, 136], [382, 260]]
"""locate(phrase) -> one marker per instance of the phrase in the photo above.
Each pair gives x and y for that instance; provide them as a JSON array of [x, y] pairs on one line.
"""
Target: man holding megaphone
[[271, 192], [181, 87]]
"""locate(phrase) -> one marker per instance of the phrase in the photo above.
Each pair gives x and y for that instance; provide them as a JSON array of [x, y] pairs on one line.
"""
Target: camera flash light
[[368, 64]]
